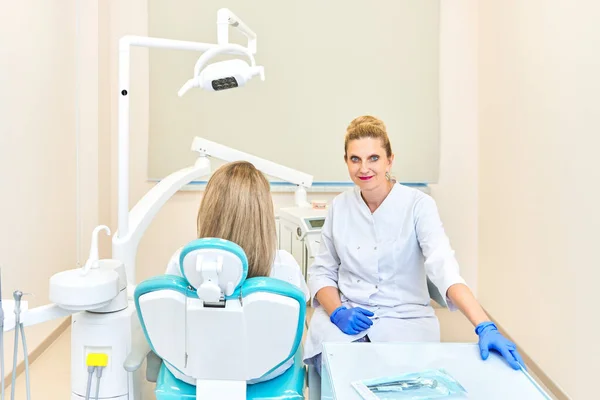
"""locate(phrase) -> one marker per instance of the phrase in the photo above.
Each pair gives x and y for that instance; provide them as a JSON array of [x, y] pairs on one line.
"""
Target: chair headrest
[[214, 267]]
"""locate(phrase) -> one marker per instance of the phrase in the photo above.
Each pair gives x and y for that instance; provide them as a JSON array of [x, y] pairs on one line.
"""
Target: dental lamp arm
[[208, 148], [124, 248], [226, 18]]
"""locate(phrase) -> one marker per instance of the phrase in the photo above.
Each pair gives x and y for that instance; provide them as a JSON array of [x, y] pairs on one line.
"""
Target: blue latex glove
[[491, 339], [351, 321]]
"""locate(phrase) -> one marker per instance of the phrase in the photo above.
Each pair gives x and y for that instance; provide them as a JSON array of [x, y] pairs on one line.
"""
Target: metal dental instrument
[[17, 295], [399, 386]]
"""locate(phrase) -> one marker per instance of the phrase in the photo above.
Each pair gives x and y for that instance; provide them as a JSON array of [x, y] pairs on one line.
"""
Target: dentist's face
[[367, 163]]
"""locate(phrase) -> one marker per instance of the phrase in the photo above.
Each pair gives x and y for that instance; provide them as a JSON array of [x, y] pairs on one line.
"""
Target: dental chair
[[217, 332]]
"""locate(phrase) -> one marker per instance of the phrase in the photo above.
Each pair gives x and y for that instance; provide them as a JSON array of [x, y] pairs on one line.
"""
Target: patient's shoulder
[[284, 257], [285, 267], [173, 265]]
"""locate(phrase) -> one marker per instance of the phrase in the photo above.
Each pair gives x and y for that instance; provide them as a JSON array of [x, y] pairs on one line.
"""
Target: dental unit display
[[105, 328]]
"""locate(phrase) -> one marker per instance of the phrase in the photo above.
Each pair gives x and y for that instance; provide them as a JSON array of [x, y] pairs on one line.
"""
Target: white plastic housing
[[237, 69], [90, 290], [222, 267], [231, 344], [209, 148], [73, 291], [109, 334]]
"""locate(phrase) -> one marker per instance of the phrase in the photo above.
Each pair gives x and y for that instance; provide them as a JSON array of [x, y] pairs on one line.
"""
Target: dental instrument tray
[[424, 385]]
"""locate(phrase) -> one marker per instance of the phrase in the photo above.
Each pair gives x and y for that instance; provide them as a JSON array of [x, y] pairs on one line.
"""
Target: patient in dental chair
[[237, 206]]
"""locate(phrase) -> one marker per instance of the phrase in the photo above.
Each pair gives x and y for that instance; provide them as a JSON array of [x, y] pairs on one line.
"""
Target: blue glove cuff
[[333, 314], [482, 326]]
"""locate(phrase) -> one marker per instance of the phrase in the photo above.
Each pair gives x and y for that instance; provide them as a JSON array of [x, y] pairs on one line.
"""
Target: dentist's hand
[[351, 321], [491, 339]]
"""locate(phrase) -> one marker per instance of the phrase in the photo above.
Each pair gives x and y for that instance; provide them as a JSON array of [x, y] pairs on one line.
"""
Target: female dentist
[[379, 243]]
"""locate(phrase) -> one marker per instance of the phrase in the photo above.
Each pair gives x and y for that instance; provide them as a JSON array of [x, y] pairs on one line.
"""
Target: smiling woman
[[379, 244], [368, 155]]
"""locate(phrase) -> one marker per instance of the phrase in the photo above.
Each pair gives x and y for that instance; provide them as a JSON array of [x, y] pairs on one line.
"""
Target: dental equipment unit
[[106, 336]]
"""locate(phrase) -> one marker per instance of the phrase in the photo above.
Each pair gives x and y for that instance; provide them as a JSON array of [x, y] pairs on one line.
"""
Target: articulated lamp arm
[[303, 180], [124, 247], [225, 19]]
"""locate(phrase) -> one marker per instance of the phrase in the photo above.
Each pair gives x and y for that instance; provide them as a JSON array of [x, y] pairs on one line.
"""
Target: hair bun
[[367, 120]]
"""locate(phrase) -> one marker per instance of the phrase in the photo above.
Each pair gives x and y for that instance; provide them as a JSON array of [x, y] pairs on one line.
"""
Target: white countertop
[[492, 379]]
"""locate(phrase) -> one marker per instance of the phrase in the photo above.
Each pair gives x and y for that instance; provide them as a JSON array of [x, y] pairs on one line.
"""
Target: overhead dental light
[[223, 75]]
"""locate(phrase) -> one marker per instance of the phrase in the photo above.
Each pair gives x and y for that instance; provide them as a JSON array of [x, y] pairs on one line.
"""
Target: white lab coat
[[380, 261], [284, 268]]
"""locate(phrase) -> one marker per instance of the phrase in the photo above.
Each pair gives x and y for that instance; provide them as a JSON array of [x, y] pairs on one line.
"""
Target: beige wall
[[37, 152], [51, 106], [456, 192], [538, 175]]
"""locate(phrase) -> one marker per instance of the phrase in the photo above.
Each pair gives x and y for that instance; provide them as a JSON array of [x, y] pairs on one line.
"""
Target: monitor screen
[[316, 223]]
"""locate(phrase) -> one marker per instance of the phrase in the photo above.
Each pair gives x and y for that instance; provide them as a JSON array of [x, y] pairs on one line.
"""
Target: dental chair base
[[287, 386]]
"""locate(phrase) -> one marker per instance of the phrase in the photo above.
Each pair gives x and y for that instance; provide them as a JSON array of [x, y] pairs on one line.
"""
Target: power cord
[[95, 362], [89, 382], [26, 359], [98, 376]]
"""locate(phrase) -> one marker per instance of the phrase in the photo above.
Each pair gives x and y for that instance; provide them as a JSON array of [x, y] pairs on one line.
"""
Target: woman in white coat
[[379, 243]]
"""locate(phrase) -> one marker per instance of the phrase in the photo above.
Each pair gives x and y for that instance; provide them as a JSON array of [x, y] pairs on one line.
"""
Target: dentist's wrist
[[335, 312], [484, 327]]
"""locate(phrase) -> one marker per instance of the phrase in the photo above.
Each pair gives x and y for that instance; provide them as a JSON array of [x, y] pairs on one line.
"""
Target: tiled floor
[[50, 380]]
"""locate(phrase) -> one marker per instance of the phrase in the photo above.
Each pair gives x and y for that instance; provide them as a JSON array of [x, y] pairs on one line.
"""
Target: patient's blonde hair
[[367, 126], [237, 206]]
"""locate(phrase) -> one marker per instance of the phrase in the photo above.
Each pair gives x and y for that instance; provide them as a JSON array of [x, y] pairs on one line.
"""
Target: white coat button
[[375, 247]]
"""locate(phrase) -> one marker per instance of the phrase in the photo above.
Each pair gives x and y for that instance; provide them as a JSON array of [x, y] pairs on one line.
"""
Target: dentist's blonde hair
[[237, 206], [367, 126]]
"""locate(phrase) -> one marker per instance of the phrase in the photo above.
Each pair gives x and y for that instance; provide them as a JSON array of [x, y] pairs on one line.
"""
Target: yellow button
[[97, 360]]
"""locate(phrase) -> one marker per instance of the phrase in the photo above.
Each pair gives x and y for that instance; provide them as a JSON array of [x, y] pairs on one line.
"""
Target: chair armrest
[[139, 350], [153, 365]]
